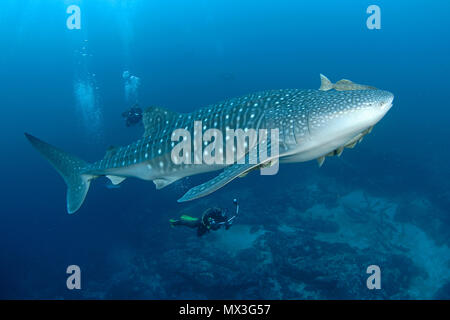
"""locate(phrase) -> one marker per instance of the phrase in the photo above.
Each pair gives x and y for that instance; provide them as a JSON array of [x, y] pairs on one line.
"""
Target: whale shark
[[311, 125]]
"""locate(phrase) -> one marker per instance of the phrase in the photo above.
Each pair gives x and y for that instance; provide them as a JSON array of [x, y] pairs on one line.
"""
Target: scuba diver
[[133, 116], [212, 219]]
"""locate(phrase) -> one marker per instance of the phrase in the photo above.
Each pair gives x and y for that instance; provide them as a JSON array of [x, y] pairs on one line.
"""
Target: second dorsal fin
[[157, 119]]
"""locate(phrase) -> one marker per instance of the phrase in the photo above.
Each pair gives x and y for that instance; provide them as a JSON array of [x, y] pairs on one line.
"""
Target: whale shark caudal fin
[[70, 168]]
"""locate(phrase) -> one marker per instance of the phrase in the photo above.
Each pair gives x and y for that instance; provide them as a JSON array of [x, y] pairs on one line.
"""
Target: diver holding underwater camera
[[212, 219]]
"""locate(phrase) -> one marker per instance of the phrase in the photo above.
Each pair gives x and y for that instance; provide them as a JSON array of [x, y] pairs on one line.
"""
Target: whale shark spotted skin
[[312, 124]]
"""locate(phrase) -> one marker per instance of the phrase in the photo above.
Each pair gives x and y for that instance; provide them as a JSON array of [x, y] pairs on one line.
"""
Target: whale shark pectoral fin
[[252, 160], [218, 182], [230, 173], [115, 180]]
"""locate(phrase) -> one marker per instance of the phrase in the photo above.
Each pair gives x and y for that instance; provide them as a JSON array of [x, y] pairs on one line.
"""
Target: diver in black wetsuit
[[133, 116], [212, 219]]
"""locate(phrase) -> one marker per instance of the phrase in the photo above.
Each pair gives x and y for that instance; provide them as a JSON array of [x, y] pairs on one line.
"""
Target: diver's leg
[[187, 221]]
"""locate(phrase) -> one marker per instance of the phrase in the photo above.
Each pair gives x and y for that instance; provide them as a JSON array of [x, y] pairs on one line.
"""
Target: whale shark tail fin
[[70, 168]]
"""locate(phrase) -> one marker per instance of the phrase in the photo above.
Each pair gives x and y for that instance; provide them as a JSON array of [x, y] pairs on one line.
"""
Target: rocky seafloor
[[311, 240]]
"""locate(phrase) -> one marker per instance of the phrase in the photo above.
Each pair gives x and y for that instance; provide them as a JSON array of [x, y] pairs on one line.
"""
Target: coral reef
[[314, 241]]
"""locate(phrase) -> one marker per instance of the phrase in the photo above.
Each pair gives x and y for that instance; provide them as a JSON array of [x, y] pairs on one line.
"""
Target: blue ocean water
[[305, 233]]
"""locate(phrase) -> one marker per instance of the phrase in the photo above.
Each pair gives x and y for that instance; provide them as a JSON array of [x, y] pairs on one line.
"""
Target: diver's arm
[[230, 221]]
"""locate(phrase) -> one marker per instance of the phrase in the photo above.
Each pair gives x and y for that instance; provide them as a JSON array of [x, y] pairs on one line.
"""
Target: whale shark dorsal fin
[[155, 119], [325, 83]]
